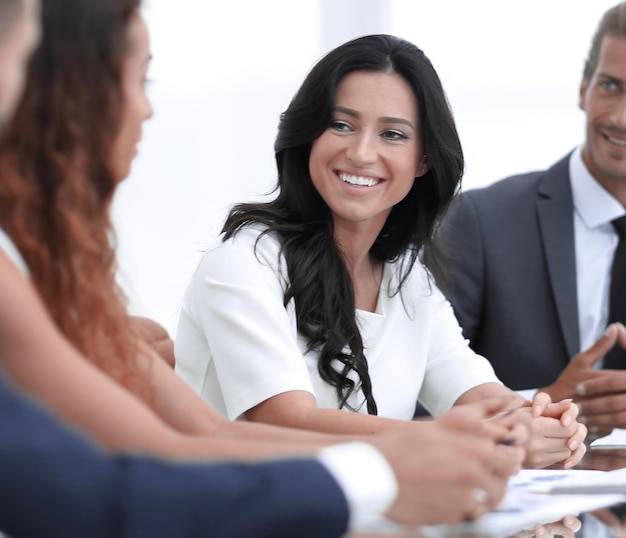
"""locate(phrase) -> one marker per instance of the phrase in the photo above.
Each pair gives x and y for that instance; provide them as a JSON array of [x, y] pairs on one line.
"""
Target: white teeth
[[617, 141], [360, 181]]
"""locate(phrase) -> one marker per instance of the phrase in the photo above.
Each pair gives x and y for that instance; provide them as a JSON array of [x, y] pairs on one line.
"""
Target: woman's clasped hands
[[466, 456], [555, 436]]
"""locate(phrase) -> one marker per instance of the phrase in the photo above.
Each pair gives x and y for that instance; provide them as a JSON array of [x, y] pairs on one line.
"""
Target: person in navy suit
[[531, 255], [57, 484], [57, 480]]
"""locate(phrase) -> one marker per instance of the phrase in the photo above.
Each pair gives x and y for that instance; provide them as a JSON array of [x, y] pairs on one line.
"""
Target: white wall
[[511, 71], [224, 70]]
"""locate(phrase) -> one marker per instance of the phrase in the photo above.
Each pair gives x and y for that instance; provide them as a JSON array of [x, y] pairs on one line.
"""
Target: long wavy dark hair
[[319, 282], [56, 184]]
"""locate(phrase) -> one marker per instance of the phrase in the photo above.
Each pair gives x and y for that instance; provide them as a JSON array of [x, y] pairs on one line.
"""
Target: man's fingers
[[621, 334], [604, 421], [602, 345], [609, 404], [604, 382]]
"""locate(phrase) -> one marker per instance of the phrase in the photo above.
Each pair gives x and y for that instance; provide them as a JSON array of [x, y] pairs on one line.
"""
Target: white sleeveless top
[[8, 247]]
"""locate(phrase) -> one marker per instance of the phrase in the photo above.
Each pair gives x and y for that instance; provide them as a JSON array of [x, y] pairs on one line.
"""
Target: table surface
[[596, 459], [604, 459]]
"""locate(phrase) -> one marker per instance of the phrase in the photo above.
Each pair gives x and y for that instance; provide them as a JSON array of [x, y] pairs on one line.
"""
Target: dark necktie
[[616, 358]]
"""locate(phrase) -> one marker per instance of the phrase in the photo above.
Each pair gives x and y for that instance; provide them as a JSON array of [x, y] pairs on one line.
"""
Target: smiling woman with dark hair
[[324, 299]]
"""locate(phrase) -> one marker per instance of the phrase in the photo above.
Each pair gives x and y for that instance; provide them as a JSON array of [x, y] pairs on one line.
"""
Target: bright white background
[[224, 70]]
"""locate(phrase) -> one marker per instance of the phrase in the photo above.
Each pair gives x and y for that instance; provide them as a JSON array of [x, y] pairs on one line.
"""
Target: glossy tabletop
[[606, 522]]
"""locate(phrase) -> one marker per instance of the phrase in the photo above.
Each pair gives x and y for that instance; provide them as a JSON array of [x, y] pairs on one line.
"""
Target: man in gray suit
[[531, 255]]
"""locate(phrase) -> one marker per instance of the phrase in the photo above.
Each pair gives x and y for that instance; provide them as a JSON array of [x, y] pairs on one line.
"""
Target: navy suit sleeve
[[55, 483]]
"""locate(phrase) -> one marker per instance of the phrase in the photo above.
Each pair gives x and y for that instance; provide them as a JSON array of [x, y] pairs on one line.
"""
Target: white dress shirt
[[366, 479], [595, 243]]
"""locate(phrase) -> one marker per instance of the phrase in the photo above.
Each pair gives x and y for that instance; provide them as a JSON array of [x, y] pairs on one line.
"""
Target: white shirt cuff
[[366, 479]]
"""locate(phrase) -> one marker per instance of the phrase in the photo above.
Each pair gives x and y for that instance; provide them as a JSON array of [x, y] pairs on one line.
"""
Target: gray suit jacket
[[513, 274]]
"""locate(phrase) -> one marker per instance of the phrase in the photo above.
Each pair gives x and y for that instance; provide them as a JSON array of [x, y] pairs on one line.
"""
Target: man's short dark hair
[[613, 23]]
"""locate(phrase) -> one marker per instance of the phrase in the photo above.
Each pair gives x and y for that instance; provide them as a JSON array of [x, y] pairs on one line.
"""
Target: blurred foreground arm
[[156, 337]]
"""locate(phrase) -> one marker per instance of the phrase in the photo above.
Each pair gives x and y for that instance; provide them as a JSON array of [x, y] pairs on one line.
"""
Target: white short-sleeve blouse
[[237, 345]]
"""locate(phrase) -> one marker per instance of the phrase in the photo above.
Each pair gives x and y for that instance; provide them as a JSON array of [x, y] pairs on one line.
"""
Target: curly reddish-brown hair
[[55, 182]]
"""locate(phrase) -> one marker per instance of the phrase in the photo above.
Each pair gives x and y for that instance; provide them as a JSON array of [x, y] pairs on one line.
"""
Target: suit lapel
[[556, 222]]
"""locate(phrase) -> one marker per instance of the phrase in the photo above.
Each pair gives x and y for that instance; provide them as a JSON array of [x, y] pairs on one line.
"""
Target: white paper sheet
[[604, 482], [523, 510], [528, 502], [616, 439]]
